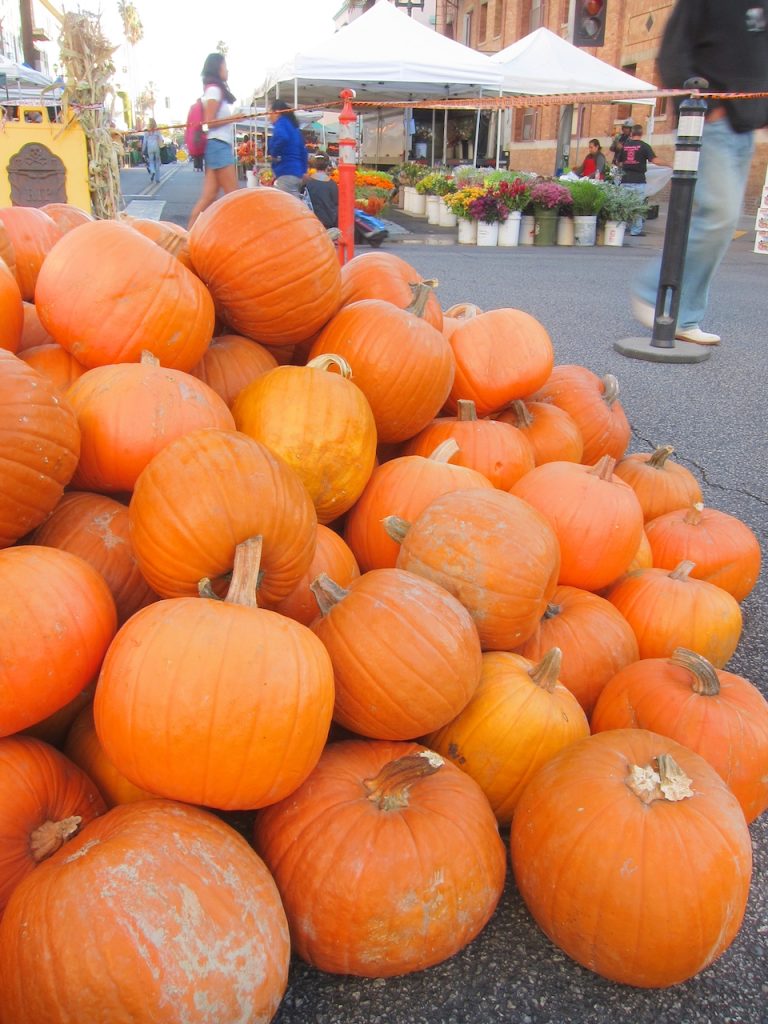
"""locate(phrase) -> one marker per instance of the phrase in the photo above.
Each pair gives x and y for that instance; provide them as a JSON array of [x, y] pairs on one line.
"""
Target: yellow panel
[[66, 141]]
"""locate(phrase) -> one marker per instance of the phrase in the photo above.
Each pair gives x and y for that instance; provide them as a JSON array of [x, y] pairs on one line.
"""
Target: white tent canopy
[[25, 85], [384, 54], [543, 64]]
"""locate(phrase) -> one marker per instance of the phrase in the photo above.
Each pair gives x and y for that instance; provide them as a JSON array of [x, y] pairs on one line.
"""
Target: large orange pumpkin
[[320, 423], [106, 294], [57, 618], [402, 364], [39, 447], [403, 487], [405, 653], [492, 551], [593, 403], [66, 216], [724, 549], [519, 717], [596, 641], [333, 557], [205, 493], [96, 528], [660, 484], [157, 912], [33, 333], [596, 517], [169, 236], [230, 362], [33, 235], [215, 702], [498, 450], [128, 412], [271, 268], [388, 859], [551, 432], [619, 843], [54, 362], [382, 275], [500, 355], [44, 800], [11, 310], [671, 609], [720, 715]]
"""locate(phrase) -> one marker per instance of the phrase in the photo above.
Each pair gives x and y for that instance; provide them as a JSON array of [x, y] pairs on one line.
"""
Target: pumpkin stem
[[205, 589], [552, 611], [662, 780], [603, 468], [660, 456], [330, 359], [421, 293], [467, 411], [694, 513], [705, 678], [547, 672], [445, 451], [245, 573], [682, 571], [396, 528], [47, 839], [522, 413], [390, 788], [611, 389], [148, 358], [327, 593]]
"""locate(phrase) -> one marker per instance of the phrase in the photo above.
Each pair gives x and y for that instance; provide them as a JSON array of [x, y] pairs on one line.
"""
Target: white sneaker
[[697, 336], [643, 313]]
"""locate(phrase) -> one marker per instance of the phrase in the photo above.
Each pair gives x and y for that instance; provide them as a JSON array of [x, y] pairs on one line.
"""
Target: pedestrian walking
[[150, 150], [727, 44], [634, 157], [219, 159], [287, 150]]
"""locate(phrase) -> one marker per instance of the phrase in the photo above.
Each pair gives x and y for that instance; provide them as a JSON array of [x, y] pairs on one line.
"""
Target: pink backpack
[[195, 137]]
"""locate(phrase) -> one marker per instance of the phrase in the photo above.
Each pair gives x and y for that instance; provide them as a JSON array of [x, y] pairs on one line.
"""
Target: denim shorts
[[218, 154]]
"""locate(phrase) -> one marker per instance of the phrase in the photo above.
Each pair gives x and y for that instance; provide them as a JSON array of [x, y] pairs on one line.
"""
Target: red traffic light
[[589, 24], [593, 7]]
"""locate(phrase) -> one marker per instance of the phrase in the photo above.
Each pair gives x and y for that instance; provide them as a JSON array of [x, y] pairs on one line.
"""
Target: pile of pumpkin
[[351, 511]]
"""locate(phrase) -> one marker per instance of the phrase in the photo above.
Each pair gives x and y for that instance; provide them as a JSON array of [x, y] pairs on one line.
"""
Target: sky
[[179, 34]]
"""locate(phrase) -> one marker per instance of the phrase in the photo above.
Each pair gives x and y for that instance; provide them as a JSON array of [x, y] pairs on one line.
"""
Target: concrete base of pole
[[681, 352]]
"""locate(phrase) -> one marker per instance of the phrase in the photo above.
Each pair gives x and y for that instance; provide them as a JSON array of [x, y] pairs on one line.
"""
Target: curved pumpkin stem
[[445, 451], [463, 311], [396, 528], [327, 593], [611, 392], [467, 411], [662, 780], [547, 672], [683, 570], [705, 678], [603, 468], [148, 358], [245, 573], [693, 515], [522, 413], [47, 839], [390, 788], [421, 292], [330, 359], [660, 456]]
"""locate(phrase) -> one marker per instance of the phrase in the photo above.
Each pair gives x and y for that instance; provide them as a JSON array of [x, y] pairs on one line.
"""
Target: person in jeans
[[219, 160], [634, 158], [726, 43], [287, 149], [150, 148]]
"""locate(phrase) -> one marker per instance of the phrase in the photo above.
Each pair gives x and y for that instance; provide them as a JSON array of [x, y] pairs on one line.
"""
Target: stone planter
[[565, 230], [509, 230], [545, 231], [433, 209], [527, 230], [584, 230], [614, 232], [447, 216], [487, 234], [467, 231]]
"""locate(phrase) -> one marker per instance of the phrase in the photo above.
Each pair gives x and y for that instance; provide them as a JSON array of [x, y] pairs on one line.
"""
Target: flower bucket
[[447, 216], [409, 192], [418, 205], [487, 234], [527, 229], [509, 230], [614, 232], [584, 230], [467, 231], [433, 209], [565, 230], [545, 231], [251, 181]]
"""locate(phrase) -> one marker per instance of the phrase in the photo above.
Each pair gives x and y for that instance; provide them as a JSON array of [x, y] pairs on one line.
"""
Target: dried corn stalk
[[87, 57]]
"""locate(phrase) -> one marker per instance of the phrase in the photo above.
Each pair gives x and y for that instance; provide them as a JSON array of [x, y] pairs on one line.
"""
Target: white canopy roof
[[543, 64], [384, 54], [25, 85]]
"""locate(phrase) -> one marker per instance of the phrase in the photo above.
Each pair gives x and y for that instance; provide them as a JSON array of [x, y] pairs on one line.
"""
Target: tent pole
[[498, 134], [477, 131], [433, 137], [562, 154], [445, 137], [295, 93]]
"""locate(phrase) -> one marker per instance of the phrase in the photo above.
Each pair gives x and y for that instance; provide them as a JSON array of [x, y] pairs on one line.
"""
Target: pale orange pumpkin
[[33, 234], [66, 216], [660, 484], [333, 557], [551, 432], [382, 275], [11, 310], [54, 362], [230, 362]]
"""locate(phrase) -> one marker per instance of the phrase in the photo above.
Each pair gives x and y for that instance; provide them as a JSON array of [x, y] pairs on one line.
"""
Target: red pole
[[347, 162]]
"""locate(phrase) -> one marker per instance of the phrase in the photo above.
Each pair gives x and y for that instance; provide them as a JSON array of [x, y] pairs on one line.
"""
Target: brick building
[[633, 30]]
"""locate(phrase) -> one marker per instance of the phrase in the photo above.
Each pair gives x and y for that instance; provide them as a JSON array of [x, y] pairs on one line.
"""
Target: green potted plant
[[620, 208], [409, 174], [434, 186], [588, 198], [547, 199]]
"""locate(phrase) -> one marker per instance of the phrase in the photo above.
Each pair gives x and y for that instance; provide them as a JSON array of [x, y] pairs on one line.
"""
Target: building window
[[498, 18], [661, 106], [468, 28], [482, 28], [526, 126], [538, 15]]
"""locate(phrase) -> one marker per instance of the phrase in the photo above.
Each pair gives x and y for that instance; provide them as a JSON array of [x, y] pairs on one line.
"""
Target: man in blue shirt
[[287, 150]]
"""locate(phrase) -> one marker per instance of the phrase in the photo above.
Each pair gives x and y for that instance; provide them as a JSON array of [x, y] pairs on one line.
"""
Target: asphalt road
[[713, 414]]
